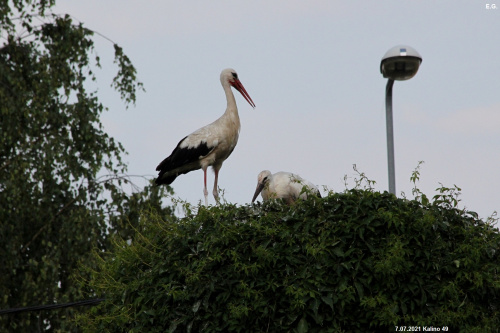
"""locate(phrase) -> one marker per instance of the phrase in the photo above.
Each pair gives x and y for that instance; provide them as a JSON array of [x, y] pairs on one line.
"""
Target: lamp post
[[399, 63]]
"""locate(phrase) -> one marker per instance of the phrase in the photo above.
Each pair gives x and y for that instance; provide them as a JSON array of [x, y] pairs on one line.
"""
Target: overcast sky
[[312, 69]]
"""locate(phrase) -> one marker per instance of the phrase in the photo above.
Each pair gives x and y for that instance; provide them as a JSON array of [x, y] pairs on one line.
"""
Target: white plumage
[[210, 145], [283, 185]]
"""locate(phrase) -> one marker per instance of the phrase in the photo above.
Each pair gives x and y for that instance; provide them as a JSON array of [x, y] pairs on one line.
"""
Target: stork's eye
[[235, 76]]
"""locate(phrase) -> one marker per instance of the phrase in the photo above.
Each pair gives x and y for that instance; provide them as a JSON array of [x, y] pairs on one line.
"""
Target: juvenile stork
[[283, 185], [210, 145]]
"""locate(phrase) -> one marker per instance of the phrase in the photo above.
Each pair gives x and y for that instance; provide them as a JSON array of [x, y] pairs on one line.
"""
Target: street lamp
[[399, 63]]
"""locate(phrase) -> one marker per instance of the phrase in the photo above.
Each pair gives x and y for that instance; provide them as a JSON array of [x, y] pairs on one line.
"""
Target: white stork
[[283, 185], [210, 145]]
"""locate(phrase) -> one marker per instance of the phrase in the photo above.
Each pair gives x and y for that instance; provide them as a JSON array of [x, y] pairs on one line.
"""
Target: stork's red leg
[[205, 191], [215, 192]]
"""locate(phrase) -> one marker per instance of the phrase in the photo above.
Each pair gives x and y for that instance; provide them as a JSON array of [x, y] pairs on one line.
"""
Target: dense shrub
[[358, 261]]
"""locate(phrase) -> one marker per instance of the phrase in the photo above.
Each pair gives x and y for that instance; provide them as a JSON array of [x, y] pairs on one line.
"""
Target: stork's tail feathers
[[165, 180]]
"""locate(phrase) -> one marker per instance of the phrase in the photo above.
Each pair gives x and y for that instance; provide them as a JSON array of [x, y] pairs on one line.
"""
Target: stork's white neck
[[231, 101], [231, 117]]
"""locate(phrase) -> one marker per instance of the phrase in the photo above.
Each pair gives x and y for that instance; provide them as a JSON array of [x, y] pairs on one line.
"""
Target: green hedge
[[358, 261]]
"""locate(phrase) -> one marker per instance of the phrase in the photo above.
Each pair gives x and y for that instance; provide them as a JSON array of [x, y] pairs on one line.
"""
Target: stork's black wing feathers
[[178, 158]]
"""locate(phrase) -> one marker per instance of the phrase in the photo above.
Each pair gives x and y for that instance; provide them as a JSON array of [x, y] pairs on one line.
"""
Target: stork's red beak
[[238, 86]]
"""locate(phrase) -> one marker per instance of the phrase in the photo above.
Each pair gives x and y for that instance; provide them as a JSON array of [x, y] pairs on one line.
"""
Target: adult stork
[[210, 145], [283, 185]]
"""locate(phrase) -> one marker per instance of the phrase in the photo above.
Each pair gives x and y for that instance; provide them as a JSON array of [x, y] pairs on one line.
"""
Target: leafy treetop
[[54, 208], [358, 261]]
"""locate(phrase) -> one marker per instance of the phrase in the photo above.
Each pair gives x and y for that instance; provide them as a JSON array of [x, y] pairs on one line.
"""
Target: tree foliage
[[53, 207], [358, 261]]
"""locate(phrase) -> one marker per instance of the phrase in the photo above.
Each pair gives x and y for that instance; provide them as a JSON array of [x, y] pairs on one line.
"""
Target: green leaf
[[338, 252], [359, 288], [328, 300], [196, 306], [302, 327]]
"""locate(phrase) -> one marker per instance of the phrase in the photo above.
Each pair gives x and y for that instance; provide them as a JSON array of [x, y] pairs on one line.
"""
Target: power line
[[53, 306]]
